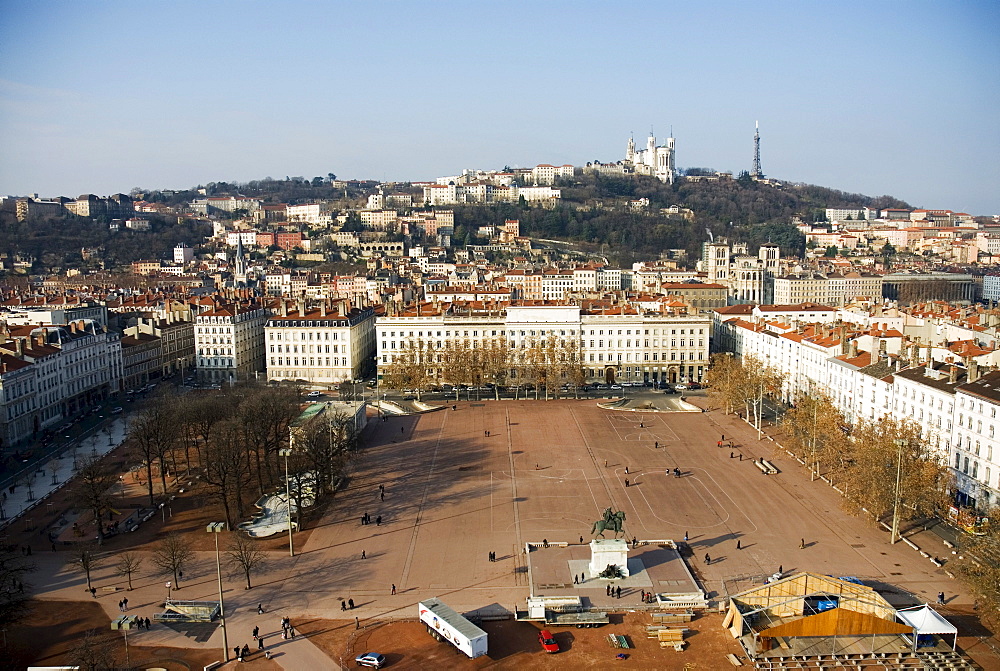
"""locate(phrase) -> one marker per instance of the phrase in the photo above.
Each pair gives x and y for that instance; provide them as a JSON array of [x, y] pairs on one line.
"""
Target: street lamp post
[[217, 528], [900, 442], [284, 452]]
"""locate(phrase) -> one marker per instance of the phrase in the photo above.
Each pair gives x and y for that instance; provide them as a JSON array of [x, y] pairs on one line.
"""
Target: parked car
[[547, 642], [669, 390], [116, 411], [314, 394], [372, 660], [683, 386]]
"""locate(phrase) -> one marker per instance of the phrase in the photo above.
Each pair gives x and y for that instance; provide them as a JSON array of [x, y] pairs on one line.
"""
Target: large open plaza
[[445, 488]]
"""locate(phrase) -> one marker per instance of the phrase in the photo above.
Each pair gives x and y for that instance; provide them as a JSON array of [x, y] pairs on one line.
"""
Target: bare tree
[[264, 414], [128, 563], [819, 433], [152, 436], [14, 568], [888, 451], [245, 554], [171, 556], [87, 559], [95, 652], [92, 489], [226, 467], [980, 568]]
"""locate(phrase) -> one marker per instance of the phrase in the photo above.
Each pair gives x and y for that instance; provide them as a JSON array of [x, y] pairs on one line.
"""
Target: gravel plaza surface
[[547, 470]]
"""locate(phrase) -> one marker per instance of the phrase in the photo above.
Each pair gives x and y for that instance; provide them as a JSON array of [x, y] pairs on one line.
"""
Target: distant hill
[[595, 210]]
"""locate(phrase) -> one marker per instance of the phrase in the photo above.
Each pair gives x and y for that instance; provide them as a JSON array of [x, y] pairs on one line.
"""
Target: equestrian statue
[[612, 521]]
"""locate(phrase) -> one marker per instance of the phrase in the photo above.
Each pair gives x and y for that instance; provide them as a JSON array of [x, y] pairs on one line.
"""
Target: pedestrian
[[256, 631], [607, 590], [381, 488], [545, 543], [626, 470], [781, 569], [738, 545], [708, 560], [802, 543], [343, 605], [350, 603], [719, 444], [635, 543], [125, 603], [656, 444], [93, 592], [454, 407], [246, 650], [581, 540], [260, 609], [260, 643], [576, 580], [643, 596], [940, 598], [731, 455], [487, 434], [267, 654], [740, 455], [357, 623], [362, 554], [685, 537], [362, 519], [626, 482], [640, 425], [605, 463], [147, 624], [291, 632], [236, 653], [619, 593], [402, 429], [381, 496], [121, 609], [378, 521], [394, 588]]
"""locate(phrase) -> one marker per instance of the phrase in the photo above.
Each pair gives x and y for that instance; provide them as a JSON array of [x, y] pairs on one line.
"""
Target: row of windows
[[312, 361], [544, 332], [304, 335], [294, 349]]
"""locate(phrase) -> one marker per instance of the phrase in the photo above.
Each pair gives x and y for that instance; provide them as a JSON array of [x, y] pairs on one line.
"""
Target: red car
[[548, 643]]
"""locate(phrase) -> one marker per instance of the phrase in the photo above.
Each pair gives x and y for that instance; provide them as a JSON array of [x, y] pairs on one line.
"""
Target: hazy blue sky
[[898, 98]]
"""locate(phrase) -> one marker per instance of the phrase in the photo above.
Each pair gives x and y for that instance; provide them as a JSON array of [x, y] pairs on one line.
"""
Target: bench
[[110, 589], [734, 660], [771, 468], [761, 466]]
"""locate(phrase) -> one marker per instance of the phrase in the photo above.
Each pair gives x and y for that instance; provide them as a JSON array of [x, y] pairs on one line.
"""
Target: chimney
[[953, 375], [284, 308], [322, 308], [854, 349], [973, 370]]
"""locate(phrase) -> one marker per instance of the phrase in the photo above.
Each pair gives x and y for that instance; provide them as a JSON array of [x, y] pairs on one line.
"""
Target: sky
[[897, 98]]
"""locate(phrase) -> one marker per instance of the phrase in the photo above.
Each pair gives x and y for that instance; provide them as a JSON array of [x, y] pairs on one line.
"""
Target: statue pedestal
[[608, 551]]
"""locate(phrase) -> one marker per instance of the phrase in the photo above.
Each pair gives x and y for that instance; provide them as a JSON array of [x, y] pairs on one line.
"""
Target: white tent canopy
[[926, 620]]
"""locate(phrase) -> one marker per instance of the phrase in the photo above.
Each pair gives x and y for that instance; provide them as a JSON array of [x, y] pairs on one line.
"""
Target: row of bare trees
[[544, 362], [233, 436], [885, 467], [170, 557]]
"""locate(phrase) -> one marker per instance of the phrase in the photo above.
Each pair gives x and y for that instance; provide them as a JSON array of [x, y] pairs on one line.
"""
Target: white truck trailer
[[445, 624]]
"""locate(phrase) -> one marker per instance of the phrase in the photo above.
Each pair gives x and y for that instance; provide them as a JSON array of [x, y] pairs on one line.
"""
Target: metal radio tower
[[756, 152]]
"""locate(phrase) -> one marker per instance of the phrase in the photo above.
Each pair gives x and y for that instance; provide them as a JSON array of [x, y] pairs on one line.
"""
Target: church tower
[[240, 274], [630, 150]]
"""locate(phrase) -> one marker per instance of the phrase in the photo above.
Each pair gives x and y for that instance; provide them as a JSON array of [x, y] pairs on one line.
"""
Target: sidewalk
[[31, 491]]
